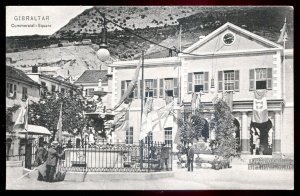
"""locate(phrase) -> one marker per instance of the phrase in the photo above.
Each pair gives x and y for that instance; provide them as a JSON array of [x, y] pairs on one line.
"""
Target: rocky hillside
[[64, 61], [159, 24]]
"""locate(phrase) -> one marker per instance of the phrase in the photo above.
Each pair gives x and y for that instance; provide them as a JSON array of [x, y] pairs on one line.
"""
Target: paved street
[[237, 177]]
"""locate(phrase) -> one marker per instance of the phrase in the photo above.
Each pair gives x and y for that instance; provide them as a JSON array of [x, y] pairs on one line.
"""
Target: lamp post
[[103, 54]]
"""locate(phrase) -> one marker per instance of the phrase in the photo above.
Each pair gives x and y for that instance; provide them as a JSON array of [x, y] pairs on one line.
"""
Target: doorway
[[260, 138]]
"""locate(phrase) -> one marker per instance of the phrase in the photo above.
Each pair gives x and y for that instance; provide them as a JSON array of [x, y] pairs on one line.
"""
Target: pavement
[[238, 177]]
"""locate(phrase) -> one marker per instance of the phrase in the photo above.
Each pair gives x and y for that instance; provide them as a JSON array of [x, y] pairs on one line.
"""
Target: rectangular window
[[228, 80], [169, 87], [11, 90], [89, 92], [24, 93], [53, 88], [260, 78], [198, 82], [149, 92], [168, 136], [129, 136]]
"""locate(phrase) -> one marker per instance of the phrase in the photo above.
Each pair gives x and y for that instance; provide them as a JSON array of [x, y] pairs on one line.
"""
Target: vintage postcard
[[149, 98]]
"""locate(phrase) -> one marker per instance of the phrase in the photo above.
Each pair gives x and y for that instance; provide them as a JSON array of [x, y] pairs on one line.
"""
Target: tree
[[45, 112], [224, 144], [9, 113], [192, 126]]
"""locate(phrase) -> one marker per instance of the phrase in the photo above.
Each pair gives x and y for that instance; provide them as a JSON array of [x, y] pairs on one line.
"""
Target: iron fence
[[140, 157]]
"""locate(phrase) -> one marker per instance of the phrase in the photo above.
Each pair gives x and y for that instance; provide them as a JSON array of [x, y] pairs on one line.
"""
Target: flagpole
[[284, 40], [142, 95]]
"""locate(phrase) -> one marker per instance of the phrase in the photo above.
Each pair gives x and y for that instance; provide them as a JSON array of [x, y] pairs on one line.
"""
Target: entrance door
[[260, 138]]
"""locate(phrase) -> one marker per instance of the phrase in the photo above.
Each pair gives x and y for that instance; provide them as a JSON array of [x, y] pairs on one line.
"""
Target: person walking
[[52, 159], [190, 157], [40, 158], [165, 156]]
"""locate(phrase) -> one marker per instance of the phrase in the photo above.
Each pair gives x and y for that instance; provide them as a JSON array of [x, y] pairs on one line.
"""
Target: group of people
[[50, 158]]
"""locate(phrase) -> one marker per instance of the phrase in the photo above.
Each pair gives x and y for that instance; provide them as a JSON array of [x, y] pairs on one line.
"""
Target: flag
[[260, 112], [161, 114], [131, 86], [193, 102], [229, 99], [146, 126], [283, 33], [22, 120], [59, 126]]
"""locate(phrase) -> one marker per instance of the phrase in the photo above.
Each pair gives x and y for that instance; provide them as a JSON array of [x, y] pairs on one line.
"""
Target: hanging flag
[[283, 33], [131, 86], [229, 98], [193, 102], [260, 112], [22, 120], [146, 118], [160, 114], [59, 126]]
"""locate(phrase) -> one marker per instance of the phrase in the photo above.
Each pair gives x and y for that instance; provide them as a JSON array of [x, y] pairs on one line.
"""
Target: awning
[[36, 130]]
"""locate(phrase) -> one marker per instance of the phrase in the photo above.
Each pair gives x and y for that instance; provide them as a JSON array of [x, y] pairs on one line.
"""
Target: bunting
[[146, 126]]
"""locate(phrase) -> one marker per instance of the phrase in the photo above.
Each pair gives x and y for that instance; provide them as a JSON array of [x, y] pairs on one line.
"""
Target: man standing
[[190, 157], [165, 156], [41, 156], [52, 160]]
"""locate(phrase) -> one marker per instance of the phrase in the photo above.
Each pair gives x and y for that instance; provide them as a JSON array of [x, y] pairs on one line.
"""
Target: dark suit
[[51, 163], [190, 158]]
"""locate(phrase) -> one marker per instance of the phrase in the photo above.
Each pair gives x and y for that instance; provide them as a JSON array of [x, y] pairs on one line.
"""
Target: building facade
[[19, 88], [230, 59]]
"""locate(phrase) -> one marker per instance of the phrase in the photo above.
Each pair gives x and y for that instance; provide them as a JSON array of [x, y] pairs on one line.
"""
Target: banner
[[260, 112], [59, 126], [146, 126], [131, 86], [229, 98], [283, 34], [22, 120]]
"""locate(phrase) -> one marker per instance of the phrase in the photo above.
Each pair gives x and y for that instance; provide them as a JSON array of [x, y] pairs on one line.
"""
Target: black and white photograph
[[149, 97]]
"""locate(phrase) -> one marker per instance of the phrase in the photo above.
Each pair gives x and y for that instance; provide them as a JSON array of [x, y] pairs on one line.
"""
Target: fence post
[[85, 163], [141, 154], [148, 153], [172, 156], [28, 154]]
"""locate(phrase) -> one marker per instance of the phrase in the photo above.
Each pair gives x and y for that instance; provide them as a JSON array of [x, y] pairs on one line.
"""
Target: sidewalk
[[237, 177]]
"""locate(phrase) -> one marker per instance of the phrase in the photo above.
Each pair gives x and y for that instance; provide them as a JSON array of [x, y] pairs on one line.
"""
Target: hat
[[54, 143]]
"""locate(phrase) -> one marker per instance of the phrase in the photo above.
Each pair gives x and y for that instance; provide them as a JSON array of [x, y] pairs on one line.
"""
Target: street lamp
[[103, 54]]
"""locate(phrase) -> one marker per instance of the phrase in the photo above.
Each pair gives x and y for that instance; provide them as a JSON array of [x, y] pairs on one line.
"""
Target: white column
[[244, 136], [277, 139]]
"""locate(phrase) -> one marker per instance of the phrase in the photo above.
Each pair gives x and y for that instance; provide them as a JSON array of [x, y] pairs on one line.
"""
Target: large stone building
[[228, 59]]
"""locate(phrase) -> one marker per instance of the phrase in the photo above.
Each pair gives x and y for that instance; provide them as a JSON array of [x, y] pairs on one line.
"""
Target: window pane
[[229, 80]]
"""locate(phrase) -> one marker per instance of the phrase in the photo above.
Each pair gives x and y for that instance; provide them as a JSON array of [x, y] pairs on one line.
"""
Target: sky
[[54, 17]]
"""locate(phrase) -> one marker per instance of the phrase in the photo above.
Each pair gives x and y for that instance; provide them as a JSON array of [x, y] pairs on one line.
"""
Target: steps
[[14, 163]]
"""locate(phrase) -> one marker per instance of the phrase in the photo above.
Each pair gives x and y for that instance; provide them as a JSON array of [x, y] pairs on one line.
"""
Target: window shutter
[[154, 88], [190, 82], [269, 78], [175, 87], [141, 88], [220, 81], [205, 82], [251, 78], [7, 89], [15, 91], [122, 87], [236, 80], [161, 88]]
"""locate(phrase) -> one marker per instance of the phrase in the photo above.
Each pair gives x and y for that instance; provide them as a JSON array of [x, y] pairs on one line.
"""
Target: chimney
[[34, 69]]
